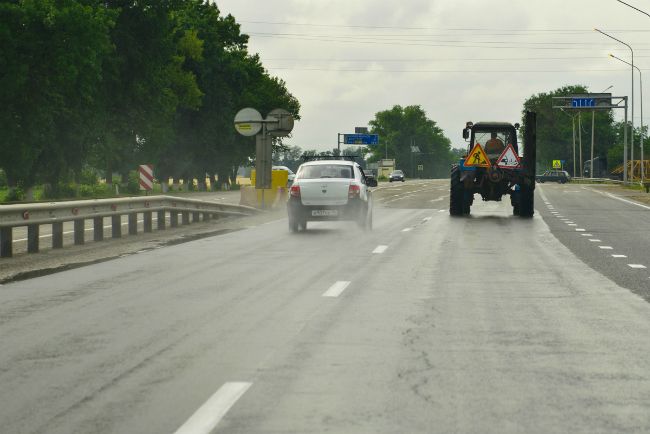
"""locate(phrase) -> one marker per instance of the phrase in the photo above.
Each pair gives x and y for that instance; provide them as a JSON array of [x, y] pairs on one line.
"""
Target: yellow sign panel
[[557, 164], [477, 157]]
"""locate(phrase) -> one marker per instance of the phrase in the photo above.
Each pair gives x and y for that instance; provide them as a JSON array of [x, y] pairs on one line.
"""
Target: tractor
[[493, 167]]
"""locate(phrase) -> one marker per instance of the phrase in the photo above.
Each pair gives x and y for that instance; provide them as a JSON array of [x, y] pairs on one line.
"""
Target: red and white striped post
[[146, 177]]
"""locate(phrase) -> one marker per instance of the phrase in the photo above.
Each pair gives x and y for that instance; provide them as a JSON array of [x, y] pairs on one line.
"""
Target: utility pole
[[580, 142], [591, 166], [573, 125]]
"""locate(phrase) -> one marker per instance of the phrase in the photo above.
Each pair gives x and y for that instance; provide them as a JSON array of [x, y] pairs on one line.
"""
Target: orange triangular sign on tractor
[[477, 157], [509, 159]]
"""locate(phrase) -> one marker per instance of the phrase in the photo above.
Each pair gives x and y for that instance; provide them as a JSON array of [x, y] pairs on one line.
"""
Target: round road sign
[[248, 122], [284, 123]]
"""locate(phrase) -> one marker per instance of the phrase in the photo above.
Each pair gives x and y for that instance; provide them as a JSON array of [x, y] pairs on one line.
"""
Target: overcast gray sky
[[460, 60]]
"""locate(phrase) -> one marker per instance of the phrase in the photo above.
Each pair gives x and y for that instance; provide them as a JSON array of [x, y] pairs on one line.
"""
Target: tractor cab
[[493, 137]]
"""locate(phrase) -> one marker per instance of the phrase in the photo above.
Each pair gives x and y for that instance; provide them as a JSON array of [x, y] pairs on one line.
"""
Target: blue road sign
[[583, 102], [360, 139]]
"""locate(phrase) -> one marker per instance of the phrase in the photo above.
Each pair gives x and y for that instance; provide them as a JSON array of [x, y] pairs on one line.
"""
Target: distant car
[[561, 176], [291, 176], [330, 190], [397, 175]]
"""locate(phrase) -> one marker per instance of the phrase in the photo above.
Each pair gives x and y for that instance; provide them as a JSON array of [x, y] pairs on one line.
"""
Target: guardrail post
[[147, 221], [206, 216], [79, 231], [133, 223], [57, 235], [116, 226], [98, 228], [161, 220], [6, 242], [186, 217], [173, 218], [196, 217], [33, 232]]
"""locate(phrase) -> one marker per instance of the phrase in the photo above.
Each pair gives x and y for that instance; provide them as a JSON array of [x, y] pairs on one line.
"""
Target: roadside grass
[[100, 190]]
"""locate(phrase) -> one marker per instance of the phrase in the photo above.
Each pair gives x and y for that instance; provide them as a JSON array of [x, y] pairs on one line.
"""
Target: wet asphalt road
[[606, 231], [426, 324]]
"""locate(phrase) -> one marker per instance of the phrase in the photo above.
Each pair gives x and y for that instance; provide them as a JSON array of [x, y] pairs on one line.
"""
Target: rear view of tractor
[[493, 168]]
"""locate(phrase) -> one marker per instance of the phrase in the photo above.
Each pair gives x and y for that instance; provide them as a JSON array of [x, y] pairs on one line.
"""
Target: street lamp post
[[641, 96], [573, 126], [632, 71]]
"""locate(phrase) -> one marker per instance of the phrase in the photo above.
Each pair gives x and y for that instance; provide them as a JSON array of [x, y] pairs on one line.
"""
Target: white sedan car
[[330, 189]]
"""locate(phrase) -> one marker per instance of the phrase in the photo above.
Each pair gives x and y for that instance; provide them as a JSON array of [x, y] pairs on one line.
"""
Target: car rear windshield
[[325, 171]]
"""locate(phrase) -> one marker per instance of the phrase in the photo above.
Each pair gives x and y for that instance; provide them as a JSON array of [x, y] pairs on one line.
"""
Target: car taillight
[[294, 191], [354, 191]]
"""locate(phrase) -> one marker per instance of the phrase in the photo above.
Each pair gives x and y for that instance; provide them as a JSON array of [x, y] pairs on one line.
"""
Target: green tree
[[51, 57], [412, 139], [288, 156], [230, 80]]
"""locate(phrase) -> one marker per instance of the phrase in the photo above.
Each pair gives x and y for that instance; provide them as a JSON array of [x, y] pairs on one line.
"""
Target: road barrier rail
[[56, 213]]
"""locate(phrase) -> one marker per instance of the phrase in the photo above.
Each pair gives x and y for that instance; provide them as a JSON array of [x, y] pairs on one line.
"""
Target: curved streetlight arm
[[626, 62], [617, 40], [637, 9]]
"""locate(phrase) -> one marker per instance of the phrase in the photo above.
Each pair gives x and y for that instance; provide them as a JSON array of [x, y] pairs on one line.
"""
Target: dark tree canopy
[[409, 136], [110, 84]]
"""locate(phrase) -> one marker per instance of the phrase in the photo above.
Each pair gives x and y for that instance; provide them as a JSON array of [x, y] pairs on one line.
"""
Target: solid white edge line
[[380, 249], [626, 201], [206, 418], [336, 289]]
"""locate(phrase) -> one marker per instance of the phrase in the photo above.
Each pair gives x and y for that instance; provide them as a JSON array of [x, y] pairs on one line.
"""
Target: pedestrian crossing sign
[[509, 159], [557, 164], [477, 157]]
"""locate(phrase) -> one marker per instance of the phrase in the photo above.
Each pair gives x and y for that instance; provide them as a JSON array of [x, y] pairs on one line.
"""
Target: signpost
[[278, 123], [593, 102], [359, 138]]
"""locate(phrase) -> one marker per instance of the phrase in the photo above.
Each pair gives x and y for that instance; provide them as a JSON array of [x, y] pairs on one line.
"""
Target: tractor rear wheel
[[526, 206], [456, 194]]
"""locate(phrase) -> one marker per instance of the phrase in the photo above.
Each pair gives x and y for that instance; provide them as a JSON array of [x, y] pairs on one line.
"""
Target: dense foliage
[[412, 139], [555, 132], [106, 85]]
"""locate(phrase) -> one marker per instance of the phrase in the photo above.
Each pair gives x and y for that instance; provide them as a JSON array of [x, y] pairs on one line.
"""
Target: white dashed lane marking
[[636, 266], [380, 249], [606, 247], [619, 256], [206, 418], [594, 240], [407, 229], [336, 289]]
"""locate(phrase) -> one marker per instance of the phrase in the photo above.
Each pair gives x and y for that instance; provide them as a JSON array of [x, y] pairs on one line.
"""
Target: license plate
[[324, 213]]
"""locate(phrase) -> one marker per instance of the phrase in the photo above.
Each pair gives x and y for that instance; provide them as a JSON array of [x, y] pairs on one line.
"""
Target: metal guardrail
[[56, 213]]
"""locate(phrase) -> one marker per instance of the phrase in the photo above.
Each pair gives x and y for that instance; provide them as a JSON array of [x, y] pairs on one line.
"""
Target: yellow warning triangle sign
[[477, 157]]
